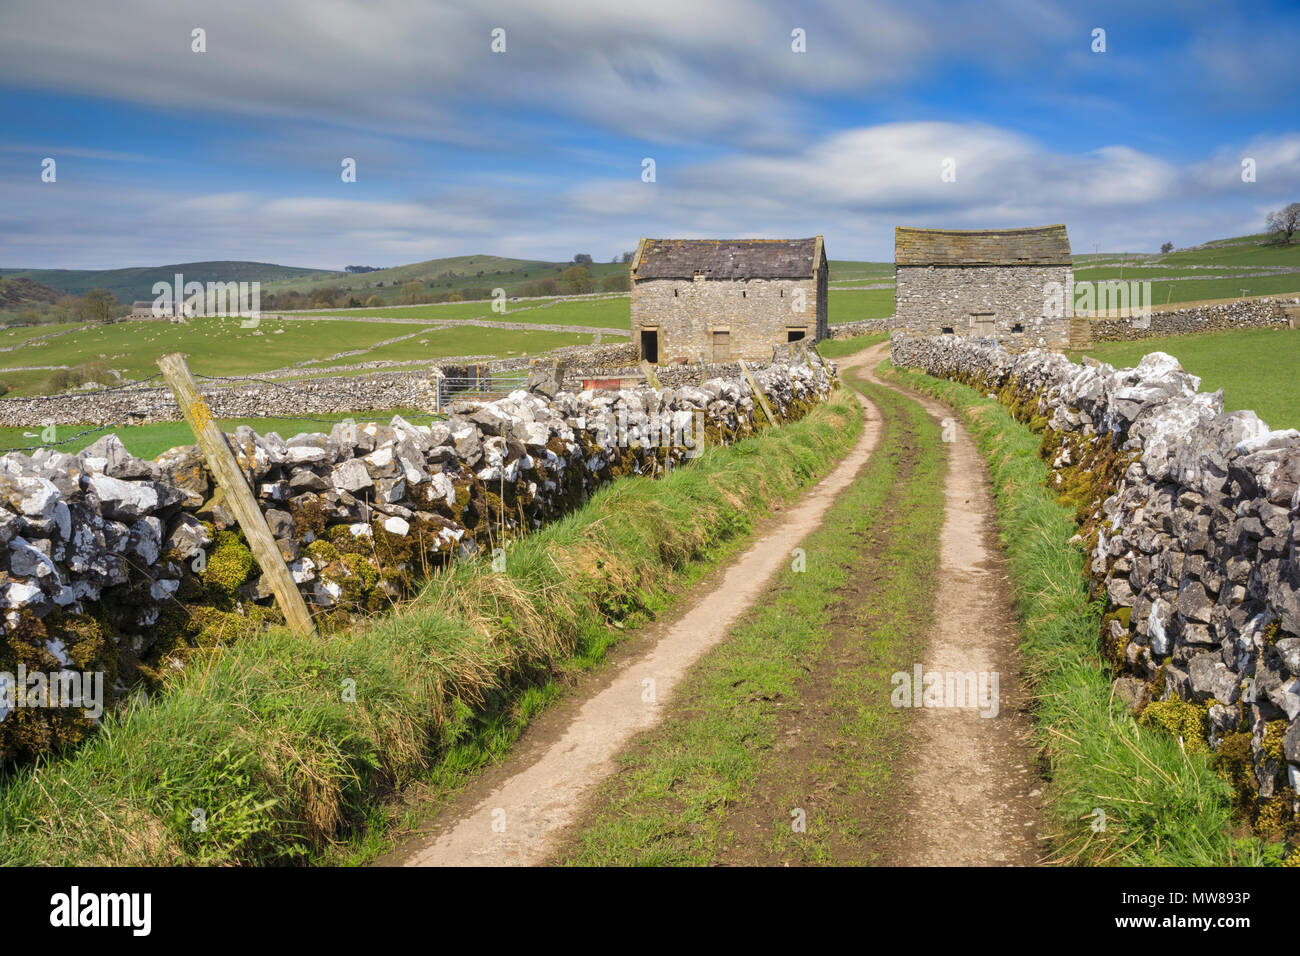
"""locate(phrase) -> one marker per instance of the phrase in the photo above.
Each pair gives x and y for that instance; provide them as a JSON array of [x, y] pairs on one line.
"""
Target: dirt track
[[969, 782], [571, 748], [973, 780]]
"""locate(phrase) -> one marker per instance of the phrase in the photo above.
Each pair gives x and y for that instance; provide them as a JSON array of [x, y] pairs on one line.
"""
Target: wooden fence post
[[758, 393], [239, 496], [648, 370]]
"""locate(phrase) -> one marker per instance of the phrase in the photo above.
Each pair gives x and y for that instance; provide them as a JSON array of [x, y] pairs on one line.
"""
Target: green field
[[850, 305], [150, 441], [1231, 262], [220, 346], [1254, 367], [611, 313]]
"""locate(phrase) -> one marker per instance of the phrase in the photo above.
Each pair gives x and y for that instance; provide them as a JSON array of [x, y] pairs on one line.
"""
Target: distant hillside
[[440, 275], [20, 292], [137, 282]]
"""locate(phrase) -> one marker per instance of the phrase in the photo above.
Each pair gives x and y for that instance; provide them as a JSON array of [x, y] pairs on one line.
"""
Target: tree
[[374, 302], [1167, 247], [628, 256], [324, 297], [1285, 222], [582, 259], [615, 283], [98, 305], [411, 292], [576, 280]]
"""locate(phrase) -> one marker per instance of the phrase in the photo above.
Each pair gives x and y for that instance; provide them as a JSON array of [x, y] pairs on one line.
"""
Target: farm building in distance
[[726, 299], [984, 282]]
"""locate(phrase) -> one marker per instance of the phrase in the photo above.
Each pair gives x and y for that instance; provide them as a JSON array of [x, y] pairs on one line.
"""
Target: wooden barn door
[[721, 346]]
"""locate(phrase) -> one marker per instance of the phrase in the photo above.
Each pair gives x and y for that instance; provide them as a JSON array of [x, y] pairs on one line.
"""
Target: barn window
[[744, 294], [1018, 327], [674, 293], [948, 330], [981, 324], [794, 335]]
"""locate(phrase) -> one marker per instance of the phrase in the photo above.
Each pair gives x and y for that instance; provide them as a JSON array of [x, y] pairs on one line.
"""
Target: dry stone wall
[[1222, 317], [127, 567], [263, 397], [1191, 517]]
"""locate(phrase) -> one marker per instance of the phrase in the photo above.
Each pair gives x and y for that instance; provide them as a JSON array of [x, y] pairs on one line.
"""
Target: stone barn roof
[[727, 258], [1033, 246]]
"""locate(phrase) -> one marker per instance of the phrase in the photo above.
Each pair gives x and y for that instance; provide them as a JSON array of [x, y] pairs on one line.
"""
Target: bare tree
[[1285, 222], [1167, 247]]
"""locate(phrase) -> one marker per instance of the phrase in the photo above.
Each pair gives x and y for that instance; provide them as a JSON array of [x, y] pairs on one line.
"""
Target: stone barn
[[985, 282], [726, 299]]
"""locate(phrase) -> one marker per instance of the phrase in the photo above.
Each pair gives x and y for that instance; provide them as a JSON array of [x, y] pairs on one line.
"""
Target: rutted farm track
[[756, 725]]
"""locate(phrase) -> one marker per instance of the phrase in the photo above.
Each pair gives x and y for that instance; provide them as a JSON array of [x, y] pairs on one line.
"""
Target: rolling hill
[[19, 292], [137, 282]]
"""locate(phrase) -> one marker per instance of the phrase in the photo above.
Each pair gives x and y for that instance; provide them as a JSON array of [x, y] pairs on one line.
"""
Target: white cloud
[[853, 187]]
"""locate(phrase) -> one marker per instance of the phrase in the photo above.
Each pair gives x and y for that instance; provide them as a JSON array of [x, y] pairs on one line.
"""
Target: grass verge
[[1120, 793], [790, 720], [282, 749]]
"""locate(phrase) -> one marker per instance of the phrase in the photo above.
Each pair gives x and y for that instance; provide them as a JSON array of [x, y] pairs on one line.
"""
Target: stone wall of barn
[[1191, 519], [758, 314], [930, 299]]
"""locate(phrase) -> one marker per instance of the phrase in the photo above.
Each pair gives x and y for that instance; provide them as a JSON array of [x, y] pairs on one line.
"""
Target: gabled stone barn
[[726, 299], [984, 282]]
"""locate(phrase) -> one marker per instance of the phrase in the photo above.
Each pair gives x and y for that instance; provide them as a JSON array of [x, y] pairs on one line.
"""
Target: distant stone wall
[[1191, 518], [928, 299], [758, 313], [848, 330], [249, 398], [130, 568], [1223, 317]]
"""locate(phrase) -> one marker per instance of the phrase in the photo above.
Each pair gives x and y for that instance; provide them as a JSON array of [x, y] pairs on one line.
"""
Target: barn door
[[721, 346]]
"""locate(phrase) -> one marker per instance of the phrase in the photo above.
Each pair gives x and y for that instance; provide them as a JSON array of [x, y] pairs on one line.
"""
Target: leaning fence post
[[231, 480], [758, 392]]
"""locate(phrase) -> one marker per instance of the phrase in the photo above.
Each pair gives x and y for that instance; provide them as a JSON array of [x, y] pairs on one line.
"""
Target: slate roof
[[727, 258], [1034, 246]]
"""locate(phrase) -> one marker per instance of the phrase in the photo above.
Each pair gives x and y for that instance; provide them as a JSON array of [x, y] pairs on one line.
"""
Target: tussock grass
[[1163, 805], [281, 749]]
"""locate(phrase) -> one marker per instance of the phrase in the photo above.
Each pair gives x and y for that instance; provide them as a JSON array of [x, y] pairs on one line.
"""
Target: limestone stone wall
[[928, 299], [1191, 519], [758, 313], [1220, 317], [265, 398], [128, 568]]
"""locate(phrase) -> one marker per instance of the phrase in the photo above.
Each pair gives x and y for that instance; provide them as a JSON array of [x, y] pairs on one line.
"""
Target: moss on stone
[[229, 564], [1180, 718]]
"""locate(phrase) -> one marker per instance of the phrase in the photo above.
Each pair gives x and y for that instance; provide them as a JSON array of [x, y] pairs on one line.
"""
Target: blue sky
[[164, 154]]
